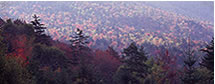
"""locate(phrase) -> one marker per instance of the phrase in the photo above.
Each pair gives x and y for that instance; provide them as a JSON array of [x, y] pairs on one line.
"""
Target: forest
[[106, 42], [30, 56]]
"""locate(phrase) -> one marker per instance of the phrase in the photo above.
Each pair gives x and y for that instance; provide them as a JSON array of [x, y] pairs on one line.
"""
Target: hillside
[[202, 10], [114, 23], [103, 43]]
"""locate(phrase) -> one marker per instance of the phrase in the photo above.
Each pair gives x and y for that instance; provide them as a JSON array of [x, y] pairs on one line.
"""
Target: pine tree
[[208, 59], [38, 27], [190, 74], [134, 67], [79, 44], [39, 30], [1, 22], [79, 40]]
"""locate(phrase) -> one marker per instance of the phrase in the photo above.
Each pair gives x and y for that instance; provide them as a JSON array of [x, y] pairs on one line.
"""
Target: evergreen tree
[[1, 22], [38, 27], [39, 30], [79, 44], [190, 74], [81, 58], [208, 59], [134, 68]]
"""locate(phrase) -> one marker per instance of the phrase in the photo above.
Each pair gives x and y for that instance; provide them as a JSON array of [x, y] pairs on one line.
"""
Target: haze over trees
[[30, 55]]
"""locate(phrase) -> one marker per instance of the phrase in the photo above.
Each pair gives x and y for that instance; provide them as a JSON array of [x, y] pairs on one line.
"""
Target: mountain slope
[[115, 23]]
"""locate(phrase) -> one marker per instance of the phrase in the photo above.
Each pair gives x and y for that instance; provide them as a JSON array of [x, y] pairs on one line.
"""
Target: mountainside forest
[[104, 43]]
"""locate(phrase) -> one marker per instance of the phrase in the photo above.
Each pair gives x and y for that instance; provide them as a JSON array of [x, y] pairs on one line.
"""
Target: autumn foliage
[[48, 61]]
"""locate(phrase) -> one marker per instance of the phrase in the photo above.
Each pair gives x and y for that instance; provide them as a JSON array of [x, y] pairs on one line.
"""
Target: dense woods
[[30, 56]]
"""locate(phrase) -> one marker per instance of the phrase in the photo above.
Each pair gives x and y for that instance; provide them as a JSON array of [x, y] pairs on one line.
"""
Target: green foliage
[[208, 61], [11, 69], [82, 57], [122, 76], [134, 67], [160, 74], [157, 75], [17, 35], [11, 72], [135, 60], [49, 56], [190, 74], [207, 77], [85, 75], [78, 44], [17, 27], [46, 63], [49, 65]]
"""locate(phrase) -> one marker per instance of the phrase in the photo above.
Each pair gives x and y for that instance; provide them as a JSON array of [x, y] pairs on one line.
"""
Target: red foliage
[[67, 51], [169, 61], [64, 47], [21, 46], [106, 62], [169, 66]]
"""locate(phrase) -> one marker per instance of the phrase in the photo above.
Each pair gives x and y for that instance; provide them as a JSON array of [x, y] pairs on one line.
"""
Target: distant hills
[[119, 23], [203, 10]]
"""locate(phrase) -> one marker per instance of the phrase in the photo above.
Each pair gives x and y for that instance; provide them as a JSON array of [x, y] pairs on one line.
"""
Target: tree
[[18, 36], [38, 27], [82, 57], [190, 74], [1, 22], [158, 73], [11, 69], [49, 56], [208, 59], [46, 62], [17, 27], [106, 64], [78, 43], [3, 46], [134, 67], [39, 30], [167, 67], [12, 72], [79, 40], [113, 52]]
